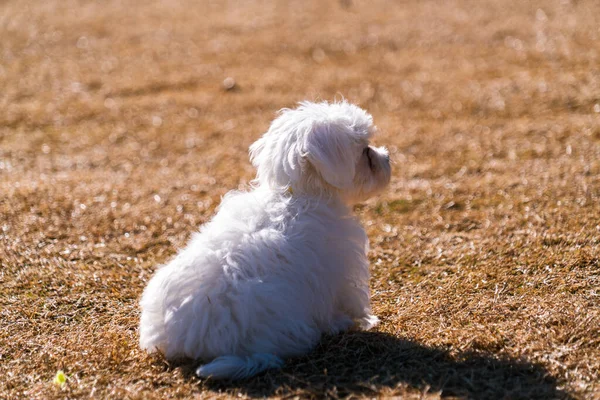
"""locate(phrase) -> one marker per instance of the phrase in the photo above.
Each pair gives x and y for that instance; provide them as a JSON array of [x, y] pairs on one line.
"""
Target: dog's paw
[[367, 322]]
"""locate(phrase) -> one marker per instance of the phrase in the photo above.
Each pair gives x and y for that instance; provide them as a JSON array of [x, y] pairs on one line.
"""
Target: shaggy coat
[[281, 264]]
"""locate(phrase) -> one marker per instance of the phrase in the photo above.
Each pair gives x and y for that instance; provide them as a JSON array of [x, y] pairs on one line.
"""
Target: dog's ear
[[329, 148]]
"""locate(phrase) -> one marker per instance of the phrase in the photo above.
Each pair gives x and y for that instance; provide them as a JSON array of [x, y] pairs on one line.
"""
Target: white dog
[[281, 264]]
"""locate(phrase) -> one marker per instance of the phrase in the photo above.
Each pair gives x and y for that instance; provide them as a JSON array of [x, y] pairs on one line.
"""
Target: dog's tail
[[234, 367]]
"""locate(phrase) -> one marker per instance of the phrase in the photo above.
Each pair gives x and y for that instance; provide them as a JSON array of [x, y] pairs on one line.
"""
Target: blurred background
[[175, 74], [123, 123]]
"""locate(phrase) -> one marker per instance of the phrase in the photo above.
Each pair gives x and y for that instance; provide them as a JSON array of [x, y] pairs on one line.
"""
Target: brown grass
[[117, 139]]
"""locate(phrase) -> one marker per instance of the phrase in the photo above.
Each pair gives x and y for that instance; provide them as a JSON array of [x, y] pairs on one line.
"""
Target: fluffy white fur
[[281, 264]]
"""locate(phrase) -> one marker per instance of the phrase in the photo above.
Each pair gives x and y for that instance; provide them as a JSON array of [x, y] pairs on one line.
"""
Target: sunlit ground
[[121, 126]]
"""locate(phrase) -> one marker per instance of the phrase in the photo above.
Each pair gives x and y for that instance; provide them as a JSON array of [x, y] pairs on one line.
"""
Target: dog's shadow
[[367, 363]]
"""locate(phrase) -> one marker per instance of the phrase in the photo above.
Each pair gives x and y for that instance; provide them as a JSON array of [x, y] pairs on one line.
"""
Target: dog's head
[[322, 149]]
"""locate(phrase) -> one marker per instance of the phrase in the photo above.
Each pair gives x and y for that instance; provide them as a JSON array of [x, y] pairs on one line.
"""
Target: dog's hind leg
[[234, 367]]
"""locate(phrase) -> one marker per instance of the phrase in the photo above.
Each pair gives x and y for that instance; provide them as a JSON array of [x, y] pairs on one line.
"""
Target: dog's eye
[[367, 152]]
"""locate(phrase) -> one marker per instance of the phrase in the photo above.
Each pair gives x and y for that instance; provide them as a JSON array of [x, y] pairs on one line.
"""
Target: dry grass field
[[123, 123]]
